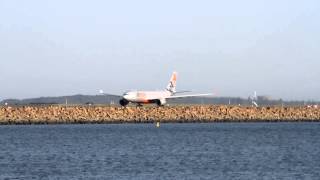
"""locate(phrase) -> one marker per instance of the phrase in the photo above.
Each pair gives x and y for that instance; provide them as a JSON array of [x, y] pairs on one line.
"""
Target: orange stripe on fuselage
[[142, 97]]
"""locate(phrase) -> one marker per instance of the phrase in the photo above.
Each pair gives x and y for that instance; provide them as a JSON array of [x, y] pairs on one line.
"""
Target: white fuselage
[[146, 96]]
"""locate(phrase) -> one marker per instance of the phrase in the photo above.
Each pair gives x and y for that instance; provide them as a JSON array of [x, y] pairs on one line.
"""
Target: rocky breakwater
[[96, 114]]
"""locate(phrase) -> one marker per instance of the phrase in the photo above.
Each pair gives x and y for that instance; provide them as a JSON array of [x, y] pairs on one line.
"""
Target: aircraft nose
[[129, 96], [126, 96]]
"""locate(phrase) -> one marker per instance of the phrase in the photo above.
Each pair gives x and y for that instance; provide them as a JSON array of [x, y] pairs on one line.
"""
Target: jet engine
[[161, 102], [123, 102]]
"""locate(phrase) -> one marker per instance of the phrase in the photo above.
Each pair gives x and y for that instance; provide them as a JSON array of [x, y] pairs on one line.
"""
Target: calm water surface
[[173, 151]]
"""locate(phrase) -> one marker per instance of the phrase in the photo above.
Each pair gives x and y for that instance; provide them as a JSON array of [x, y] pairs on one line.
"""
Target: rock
[[80, 114]]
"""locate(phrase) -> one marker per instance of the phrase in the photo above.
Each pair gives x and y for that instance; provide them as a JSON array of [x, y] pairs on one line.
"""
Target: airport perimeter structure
[[172, 114]]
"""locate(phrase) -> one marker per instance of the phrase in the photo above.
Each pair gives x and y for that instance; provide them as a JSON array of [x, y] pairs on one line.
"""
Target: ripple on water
[[173, 151]]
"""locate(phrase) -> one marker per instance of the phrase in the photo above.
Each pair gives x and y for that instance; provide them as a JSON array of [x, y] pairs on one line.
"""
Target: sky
[[230, 48]]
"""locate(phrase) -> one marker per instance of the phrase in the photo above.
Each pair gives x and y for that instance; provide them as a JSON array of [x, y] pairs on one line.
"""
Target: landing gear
[[123, 102]]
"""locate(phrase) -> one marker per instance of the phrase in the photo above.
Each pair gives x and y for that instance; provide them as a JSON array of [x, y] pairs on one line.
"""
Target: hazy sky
[[231, 47]]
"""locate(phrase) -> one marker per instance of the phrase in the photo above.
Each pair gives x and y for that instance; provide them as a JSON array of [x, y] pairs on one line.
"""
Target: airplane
[[156, 97]]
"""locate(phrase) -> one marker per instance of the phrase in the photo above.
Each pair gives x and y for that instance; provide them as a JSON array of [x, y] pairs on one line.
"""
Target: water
[[173, 151]]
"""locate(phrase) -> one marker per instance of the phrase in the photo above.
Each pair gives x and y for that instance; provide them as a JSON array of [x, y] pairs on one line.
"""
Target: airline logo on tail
[[173, 83]]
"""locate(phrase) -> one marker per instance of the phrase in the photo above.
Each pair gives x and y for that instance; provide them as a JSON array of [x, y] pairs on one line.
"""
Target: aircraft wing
[[189, 95], [105, 94], [179, 92]]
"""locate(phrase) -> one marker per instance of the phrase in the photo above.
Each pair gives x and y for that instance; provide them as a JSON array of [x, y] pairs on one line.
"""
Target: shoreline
[[152, 122], [23, 115]]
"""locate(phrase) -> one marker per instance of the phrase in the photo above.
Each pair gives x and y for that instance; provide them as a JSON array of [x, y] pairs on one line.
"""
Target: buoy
[[158, 124]]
